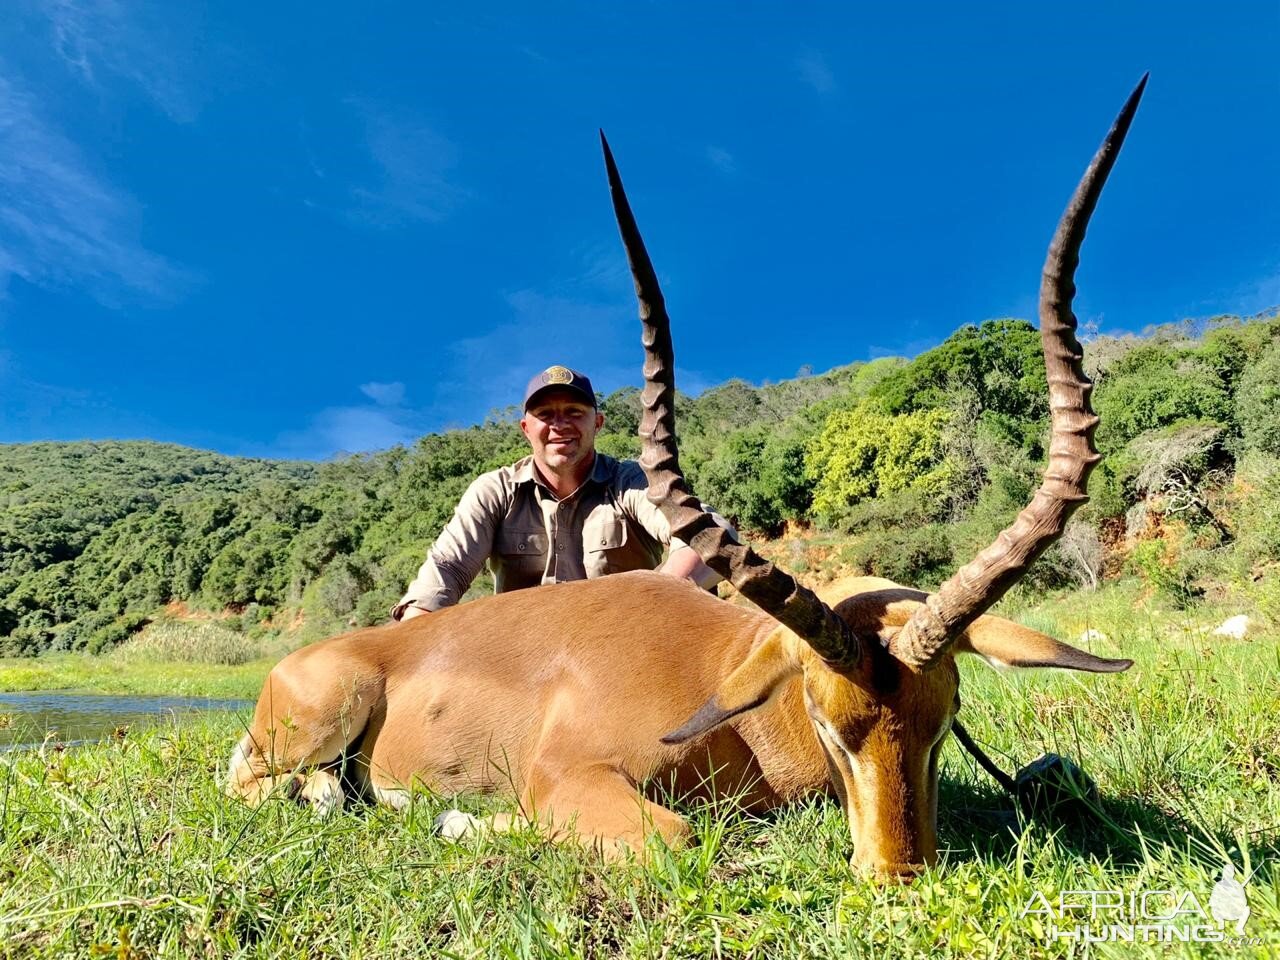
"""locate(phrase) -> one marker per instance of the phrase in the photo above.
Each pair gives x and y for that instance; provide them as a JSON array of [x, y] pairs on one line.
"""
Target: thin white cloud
[[361, 428], [814, 71], [475, 377], [384, 394], [907, 348], [722, 159], [602, 339], [347, 430], [1260, 296], [585, 320], [413, 169], [601, 271], [61, 225], [492, 369], [534, 54], [141, 42]]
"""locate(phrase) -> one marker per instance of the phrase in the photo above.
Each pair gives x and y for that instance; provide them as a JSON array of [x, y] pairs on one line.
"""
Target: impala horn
[[926, 637], [757, 579]]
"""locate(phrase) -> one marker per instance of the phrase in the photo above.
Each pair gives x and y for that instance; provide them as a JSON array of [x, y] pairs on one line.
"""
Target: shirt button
[[520, 547], [604, 543]]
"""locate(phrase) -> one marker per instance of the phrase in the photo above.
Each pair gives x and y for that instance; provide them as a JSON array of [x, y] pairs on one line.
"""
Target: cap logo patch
[[557, 375]]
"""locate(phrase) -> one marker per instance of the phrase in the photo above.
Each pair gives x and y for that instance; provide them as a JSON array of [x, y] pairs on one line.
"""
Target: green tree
[[1258, 403], [999, 360], [757, 478], [862, 454], [1154, 386]]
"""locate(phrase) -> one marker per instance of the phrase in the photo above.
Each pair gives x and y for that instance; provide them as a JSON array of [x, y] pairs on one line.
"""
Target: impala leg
[[603, 809], [292, 760], [253, 773], [323, 790]]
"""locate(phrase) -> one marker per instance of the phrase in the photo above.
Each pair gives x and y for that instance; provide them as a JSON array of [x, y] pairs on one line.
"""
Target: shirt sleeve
[[632, 489], [458, 554], [633, 494]]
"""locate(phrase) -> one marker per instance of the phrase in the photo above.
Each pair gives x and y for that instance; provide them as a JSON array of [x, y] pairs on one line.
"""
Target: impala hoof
[[455, 825]]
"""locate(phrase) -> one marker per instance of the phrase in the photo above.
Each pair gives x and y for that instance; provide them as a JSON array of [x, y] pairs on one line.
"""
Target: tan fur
[[560, 696]]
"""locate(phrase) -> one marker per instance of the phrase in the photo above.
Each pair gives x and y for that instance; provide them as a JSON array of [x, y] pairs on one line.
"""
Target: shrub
[[182, 641], [999, 362], [757, 479], [116, 632], [1161, 567], [374, 607], [861, 454], [913, 556], [1008, 491], [1258, 403], [1154, 386], [341, 585]]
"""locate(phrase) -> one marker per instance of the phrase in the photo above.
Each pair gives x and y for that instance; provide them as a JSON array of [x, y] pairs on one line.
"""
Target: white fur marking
[[397, 798], [866, 782], [456, 825], [239, 757], [324, 794]]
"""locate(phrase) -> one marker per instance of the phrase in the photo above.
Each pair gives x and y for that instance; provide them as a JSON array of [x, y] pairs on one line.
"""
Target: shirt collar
[[602, 469], [523, 470]]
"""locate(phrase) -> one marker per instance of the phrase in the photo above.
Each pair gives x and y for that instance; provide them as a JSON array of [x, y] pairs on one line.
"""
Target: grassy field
[[129, 850], [170, 657], [81, 672]]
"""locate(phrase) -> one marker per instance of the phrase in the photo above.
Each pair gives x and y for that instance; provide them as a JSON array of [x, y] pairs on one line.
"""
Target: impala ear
[[1003, 643], [751, 685]]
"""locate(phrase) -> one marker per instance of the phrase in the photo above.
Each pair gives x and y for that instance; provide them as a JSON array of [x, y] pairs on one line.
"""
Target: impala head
[[880, 720], [878, 669]]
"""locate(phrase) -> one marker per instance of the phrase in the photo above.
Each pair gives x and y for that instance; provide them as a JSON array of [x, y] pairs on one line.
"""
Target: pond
[[27, 718]]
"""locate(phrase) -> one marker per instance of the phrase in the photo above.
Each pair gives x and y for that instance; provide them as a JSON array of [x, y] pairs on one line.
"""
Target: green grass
[[171, 656], [175, 640], [75, 671], [130, 846]]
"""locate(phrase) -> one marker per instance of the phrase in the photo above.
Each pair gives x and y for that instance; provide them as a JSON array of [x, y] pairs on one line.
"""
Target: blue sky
[[293, 229]]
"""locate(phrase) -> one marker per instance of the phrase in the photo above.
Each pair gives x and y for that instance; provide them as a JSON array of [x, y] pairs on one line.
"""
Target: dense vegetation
[[916, 464]]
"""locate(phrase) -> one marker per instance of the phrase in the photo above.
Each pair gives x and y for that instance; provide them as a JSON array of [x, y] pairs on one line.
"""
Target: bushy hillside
[[913, 464]]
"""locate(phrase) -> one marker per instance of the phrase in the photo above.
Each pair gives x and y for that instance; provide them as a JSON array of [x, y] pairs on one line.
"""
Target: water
[[27, 718]]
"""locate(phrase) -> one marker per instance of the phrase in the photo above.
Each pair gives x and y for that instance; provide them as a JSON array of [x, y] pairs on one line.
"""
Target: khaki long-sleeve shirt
[[510, 518]]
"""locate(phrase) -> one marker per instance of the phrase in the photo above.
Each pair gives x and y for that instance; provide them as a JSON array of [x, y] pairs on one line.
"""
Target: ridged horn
[[1072, 456], [772, 590]]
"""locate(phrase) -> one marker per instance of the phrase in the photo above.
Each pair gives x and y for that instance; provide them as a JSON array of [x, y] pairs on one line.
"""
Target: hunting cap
[[563, 378]]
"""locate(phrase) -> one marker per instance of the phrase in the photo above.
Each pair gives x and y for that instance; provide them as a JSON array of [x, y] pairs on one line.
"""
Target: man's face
[[561, 428]]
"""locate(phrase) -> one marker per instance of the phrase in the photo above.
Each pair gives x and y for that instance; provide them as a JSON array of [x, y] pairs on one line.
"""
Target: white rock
[[1093, 636], [454, 825], [1235, 627]]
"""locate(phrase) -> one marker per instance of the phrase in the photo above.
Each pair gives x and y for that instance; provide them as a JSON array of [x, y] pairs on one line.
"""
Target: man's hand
[[685, 563]]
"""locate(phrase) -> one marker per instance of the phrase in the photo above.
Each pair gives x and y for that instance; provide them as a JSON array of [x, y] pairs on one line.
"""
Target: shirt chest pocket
[[522, 549], [604, 541]]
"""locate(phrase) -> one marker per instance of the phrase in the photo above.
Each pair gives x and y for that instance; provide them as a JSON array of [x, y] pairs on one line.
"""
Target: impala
[[578, 699]]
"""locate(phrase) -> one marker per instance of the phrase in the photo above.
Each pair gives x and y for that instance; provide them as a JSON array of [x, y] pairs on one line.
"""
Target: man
[[565, 512]]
